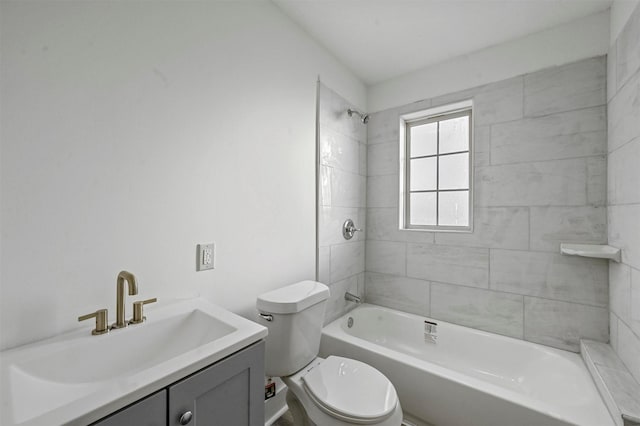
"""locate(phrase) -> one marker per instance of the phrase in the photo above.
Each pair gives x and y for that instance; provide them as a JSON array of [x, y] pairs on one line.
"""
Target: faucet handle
[[137, 310], [101, 321]]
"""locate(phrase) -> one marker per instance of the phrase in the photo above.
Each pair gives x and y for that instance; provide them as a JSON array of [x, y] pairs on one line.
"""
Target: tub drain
[[350, 322]]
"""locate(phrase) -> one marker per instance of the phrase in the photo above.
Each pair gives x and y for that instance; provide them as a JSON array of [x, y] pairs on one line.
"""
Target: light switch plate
[[206, 256]]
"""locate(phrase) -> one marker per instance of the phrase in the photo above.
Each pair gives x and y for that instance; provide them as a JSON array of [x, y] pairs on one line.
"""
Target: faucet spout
[[132, 290], [352, 298]]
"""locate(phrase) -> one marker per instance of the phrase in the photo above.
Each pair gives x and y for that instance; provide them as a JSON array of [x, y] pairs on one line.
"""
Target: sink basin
[[77, 377]]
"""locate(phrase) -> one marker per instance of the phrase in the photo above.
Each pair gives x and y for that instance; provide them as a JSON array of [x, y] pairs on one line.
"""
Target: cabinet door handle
[[186, 418]]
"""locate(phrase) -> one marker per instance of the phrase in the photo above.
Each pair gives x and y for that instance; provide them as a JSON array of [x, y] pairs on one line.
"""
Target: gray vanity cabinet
[[229, 393], [151, 411]]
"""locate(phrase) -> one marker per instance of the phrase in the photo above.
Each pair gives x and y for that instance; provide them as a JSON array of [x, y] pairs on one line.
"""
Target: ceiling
[[382, 39]]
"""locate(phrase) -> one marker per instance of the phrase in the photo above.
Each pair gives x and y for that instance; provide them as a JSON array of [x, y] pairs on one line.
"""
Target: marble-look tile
[[448, 264], [492, 103], [635, 301], [339, 151], [624, 174], [623, 113], [362, 167], [348, 189], [551, 226], [597, 181], [493, 227], [563, 324], [577, 85], [602, 354], [482, 146], [624, 232], [384, 126], [382, 225], [558, 182], [499, 102], [620, 290], [461, 95], [613, 331], [331, 219], [396, 292], [386, 257], [324, 265], [325, 175], [346, 260], [628, 55], [629, 349], [482, 309], [571, 134], [383, 159], [612, 86], [336, 304], [382, 191], [623, 389], [332, 114], [550, 275]]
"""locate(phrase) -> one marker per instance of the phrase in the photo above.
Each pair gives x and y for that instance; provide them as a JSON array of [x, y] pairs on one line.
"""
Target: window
[[436, 173]]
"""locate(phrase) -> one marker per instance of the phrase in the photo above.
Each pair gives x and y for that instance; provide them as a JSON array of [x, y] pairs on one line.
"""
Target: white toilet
[[334, 391]]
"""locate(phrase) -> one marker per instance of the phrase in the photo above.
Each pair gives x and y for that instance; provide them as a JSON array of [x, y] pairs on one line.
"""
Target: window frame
[[431, 115]]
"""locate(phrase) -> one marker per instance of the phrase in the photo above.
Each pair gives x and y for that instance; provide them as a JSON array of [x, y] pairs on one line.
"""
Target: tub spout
[[352, 298]]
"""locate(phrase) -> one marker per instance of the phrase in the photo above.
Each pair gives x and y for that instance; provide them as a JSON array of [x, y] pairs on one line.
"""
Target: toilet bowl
[[340, 391], [335, 391]]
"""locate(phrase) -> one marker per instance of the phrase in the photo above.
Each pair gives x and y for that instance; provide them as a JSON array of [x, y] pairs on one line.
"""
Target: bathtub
[[469, 377]]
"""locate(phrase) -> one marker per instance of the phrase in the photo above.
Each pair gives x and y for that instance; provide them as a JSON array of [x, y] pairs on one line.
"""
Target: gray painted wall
[[623, 191], [540, 145], [341, 196]]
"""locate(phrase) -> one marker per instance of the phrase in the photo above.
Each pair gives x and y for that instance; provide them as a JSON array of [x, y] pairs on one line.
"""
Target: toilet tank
[[294, 316]]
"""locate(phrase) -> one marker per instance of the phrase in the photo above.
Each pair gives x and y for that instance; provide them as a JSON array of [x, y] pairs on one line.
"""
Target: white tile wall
[[398, 292], [562, 324], [551, 226], [341, 196], [487, 310], [540, 179], [623, 191], [570, 87], [448, 264], [550, 275], [571, 134]]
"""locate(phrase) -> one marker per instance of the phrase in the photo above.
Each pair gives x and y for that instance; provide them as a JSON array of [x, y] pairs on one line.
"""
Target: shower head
[[364, 118]]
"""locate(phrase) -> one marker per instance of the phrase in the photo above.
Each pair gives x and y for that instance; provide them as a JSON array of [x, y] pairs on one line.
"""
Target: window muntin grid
[[429, 188]]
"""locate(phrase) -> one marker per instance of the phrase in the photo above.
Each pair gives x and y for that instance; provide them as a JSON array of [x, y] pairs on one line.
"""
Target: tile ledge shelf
[[600, 251], [619, 390]]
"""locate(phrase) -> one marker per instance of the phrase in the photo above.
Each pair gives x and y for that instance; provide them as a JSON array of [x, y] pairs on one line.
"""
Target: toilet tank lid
[[292, 298]]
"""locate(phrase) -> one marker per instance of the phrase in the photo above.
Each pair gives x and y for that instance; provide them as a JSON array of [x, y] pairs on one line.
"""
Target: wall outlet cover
[[205, 257]]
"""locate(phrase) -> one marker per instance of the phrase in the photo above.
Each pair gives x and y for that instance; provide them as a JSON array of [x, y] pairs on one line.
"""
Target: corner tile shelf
[[619, 390], [600, 251]]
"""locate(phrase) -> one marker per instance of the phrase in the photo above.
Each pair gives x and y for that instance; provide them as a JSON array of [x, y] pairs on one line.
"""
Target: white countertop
[[77, 378]]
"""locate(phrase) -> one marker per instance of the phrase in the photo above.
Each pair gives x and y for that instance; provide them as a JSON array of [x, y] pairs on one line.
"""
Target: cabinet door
[[229, 393], [151, 411]]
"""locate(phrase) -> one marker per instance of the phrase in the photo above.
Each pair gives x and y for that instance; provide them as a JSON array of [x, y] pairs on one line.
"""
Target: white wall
[[579, 39], [132, 131]]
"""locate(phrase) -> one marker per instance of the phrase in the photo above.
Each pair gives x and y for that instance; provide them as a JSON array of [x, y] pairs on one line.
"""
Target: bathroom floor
[[285, 420]]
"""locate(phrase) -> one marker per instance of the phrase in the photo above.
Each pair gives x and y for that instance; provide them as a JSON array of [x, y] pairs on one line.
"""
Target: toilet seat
[[350, 390]]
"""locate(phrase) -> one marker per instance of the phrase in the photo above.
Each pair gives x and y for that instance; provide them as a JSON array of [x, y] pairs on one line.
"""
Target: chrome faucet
[[133, 289], [352, 298]]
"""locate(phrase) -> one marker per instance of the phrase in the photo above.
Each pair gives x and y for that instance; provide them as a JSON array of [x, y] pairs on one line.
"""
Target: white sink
[[77, 378]]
